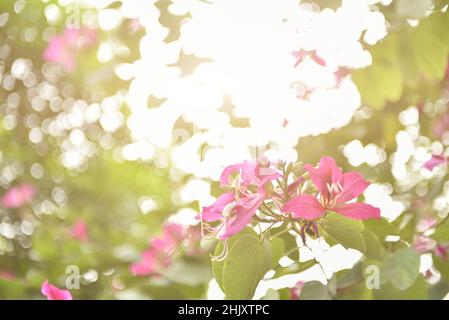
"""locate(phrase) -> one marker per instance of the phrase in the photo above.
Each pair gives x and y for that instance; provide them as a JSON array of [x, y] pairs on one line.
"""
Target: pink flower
[[435, 161], [302, 54], [335, 190], [161, 249], [236, 209], [295, 292], [441, 251], [426, 223], [79, 231], [423, 244], [54, 293], [62, 48], [17, 196], [6, 275]]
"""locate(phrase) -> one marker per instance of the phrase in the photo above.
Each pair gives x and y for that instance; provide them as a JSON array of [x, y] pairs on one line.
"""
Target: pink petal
[[54, 293], [227, 172], [434, 161], [326, 174], [358, 211], [353, 185], [18, 196], [79, 231], [214, 212], [147, 265], [304, 206], [240, 218]]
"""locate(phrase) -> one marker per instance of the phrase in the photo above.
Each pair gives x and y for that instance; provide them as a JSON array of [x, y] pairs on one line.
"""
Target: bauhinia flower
[[62, 48], [79, 231], [54, 293], [158, 255], [442, 251], [17, 196], [295, 292], [335, 190], [235, 209], [423, 244], [435, 161]]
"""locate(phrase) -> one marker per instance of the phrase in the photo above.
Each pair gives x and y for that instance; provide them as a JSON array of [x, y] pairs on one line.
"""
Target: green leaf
[[401, 268], [382, 81], [247, 262], [374, 248], [290, 244], [315, 290], [442, 266], [418, 291], [217, 266], [277, 251], [188, 272], [381, 228], [350, 277], [271, 295], [442, 232], [295, 267], [413, 9], [347, 232]]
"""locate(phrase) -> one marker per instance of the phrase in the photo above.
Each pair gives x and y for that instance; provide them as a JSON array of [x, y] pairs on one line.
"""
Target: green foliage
[[405, 58], [248, 259], [401, 268], [347, 232]]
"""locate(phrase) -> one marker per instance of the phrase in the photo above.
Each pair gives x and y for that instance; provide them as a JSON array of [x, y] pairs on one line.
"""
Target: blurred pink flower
[[423, 244], [426, 223], [434, 161], [302, 54], [236, 209], [17, 196], [79, 231], [62, 48], [295, 292], [441, 251], [54, 293], [161, 249], [335, 190], [6, 275]]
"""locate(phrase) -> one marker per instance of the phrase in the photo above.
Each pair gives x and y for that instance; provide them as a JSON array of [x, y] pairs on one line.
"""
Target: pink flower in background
[[434, 161], [17, 196], [62, 48], [79, 231], [54, 293], [441, 251], [236, 209], [335, 190], [426, 223], [423, 244], [302, 54], [158, 255], [6, 275], [295, 292]]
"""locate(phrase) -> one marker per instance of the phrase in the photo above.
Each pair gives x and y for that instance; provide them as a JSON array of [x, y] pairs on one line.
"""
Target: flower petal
[[353, 185], [358, 211], [304, 206], [214, 212], [240, 218], [434, 161], [54, 293], [326, 174]]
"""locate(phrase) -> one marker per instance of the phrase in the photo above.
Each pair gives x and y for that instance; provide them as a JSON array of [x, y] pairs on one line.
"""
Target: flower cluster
[[159, 254], [18, 196], [267, 192], [62, 48]]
